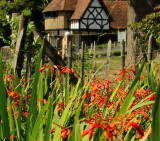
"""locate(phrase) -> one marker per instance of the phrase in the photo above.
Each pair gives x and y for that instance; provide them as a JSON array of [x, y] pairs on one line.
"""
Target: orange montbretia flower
[[151, 98], [125, 73], [60, 106], [12, 93], [43, 68], [52, 130], [25, 114], [137, 127], [90, 129], [65, 132], [66, 70], [110, 130], [145, 115]]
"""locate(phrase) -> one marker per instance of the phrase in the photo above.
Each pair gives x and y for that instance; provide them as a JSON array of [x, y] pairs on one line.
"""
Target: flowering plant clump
[[98, 98], [43, 109], [63, 69]]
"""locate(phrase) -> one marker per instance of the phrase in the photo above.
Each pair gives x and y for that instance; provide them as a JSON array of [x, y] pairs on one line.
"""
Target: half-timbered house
[[77, 17]]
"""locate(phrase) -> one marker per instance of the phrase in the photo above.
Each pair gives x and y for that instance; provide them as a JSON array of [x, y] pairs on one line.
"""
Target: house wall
[[59, 22]]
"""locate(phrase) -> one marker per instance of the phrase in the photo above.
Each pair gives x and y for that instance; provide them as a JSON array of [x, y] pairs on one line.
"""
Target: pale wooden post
[[69, 56], [122, 46], [91, 46], [14, 15], [82, 60], [108, 57], [94, 56], [136, 53], [64, 46], [150, 48]]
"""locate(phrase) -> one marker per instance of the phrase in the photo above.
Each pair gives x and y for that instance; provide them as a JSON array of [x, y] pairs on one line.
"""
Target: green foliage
[[3, 106], [149, 25], [27, 7], [156, 118], [56, 110]]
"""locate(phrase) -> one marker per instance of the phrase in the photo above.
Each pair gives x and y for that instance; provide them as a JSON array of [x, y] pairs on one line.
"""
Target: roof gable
[[83, 5], [90, 15]]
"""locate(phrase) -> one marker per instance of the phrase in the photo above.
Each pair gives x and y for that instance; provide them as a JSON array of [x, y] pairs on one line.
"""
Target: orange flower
[[65, 132], [25, 114], [128, 73], [9, 77], [137, 127], [119, 78], [151, 98], [12, 138], [52, 130], [89, 130], [12, 94], [144, 114], [132, 71], [109, 130], [60, 106], [53, 68], [108, 135], [66, 70], [42, 100], [43, 68]]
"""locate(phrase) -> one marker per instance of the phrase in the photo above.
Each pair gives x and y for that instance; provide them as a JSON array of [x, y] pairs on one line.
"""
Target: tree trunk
[[137, 9], [19, 51]]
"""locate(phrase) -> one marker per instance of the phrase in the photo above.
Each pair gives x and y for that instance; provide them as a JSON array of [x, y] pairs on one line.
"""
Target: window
[[52, 14]]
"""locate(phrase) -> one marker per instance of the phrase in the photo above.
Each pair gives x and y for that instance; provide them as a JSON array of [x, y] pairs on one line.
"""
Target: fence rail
[[89, 57]]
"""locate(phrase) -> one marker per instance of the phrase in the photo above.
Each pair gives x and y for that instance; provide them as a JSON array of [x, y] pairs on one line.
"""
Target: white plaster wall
[[95, 3], [74, 25]]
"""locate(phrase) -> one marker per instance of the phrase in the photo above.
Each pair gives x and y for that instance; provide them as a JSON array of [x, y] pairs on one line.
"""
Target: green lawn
[[115, 65]]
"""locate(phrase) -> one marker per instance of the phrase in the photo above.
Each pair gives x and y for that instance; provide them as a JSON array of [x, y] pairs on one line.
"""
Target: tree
[[30, 10], [150, 25], [137, 10]]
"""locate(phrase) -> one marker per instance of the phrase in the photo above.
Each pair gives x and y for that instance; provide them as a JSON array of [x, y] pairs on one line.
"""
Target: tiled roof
[[60, 5], [80, 8], [118, 12]]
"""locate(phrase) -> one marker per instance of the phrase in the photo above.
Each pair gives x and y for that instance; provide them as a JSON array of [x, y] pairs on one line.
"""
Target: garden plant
[[47, 107]]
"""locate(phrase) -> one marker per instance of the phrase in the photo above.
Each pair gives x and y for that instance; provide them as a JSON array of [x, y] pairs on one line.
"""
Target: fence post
[[91, 46], [122, 46], [64, 46], [136, 54], [94, 56], [82, 60], [108, 57], [150, 48], [69, 56]]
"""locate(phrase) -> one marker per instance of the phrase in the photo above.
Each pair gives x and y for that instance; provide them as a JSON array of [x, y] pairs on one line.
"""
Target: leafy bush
[[149, 25]]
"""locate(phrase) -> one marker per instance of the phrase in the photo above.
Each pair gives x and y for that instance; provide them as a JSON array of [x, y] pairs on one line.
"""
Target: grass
[[115, 66]]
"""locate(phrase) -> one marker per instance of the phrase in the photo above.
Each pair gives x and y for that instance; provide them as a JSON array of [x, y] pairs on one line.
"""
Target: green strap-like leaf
[[3, 105], [156, 118]]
